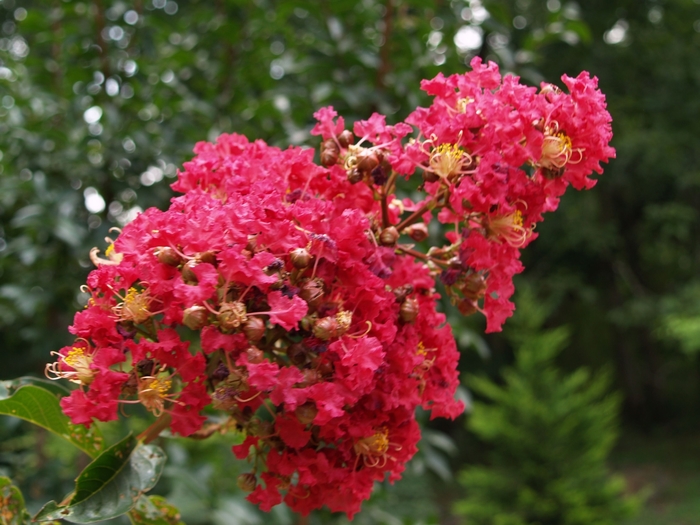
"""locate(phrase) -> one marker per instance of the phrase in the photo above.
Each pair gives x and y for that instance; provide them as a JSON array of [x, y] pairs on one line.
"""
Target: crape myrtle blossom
[[288, 302]]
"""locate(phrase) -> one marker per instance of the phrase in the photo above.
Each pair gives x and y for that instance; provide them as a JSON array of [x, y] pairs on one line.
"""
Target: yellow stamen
[[77, 359], [446, 160], [375, 445], [508, 228], [344, 319], [134, 307], [153, 393]]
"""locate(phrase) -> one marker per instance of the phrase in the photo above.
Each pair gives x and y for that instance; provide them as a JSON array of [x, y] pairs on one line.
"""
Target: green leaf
[[154, 510], [111, 485], [12, 509], [37, 401]]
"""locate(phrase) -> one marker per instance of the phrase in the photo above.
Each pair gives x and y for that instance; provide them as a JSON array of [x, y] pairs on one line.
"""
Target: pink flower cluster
[[288, 301]]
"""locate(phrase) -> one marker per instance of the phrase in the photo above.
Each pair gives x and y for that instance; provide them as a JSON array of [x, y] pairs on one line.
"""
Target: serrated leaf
[[111, 485], [37, 401], [154, 510], [12, 509]]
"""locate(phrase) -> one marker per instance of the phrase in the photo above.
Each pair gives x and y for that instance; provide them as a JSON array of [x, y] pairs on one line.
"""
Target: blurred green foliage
[[101, 101], [550, 435]]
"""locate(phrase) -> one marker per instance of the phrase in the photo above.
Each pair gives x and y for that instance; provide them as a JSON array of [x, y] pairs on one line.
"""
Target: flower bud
[[326, 328], [195, 317], [367, 160], [329, 158], [306, 413], [255, 355], [389, 236], [300, 258], [311, 290], [346, 138], [207, 257], [474, 287], [254, 329], [167, 255], [418, 232], [409, 310], [355, 176], [188, 274], [329, 144], [247, 482], [467, 307]]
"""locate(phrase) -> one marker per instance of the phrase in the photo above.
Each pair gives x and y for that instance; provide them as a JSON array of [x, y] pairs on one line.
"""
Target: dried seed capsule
[[409, 310], [167, 255], [300, 258], [389, 236], [195, 317]]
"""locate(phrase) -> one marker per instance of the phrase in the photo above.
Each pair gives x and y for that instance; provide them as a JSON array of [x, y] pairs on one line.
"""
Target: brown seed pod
[[326, 328], [346, 138], [195, 317], [167, 255], [409, 310], [300, 258], [389, 236]]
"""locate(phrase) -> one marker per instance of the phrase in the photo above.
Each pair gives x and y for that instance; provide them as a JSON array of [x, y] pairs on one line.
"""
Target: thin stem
[[422, 256], [155, 429], [427, 206]]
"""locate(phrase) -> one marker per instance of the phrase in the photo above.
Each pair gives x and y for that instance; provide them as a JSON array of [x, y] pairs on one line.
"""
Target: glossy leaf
[[37, 401], [111, 485], [12, 509], [154, 510]]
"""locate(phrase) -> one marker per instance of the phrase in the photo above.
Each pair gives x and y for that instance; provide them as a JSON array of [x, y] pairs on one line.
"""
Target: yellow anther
[[344, 320]]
